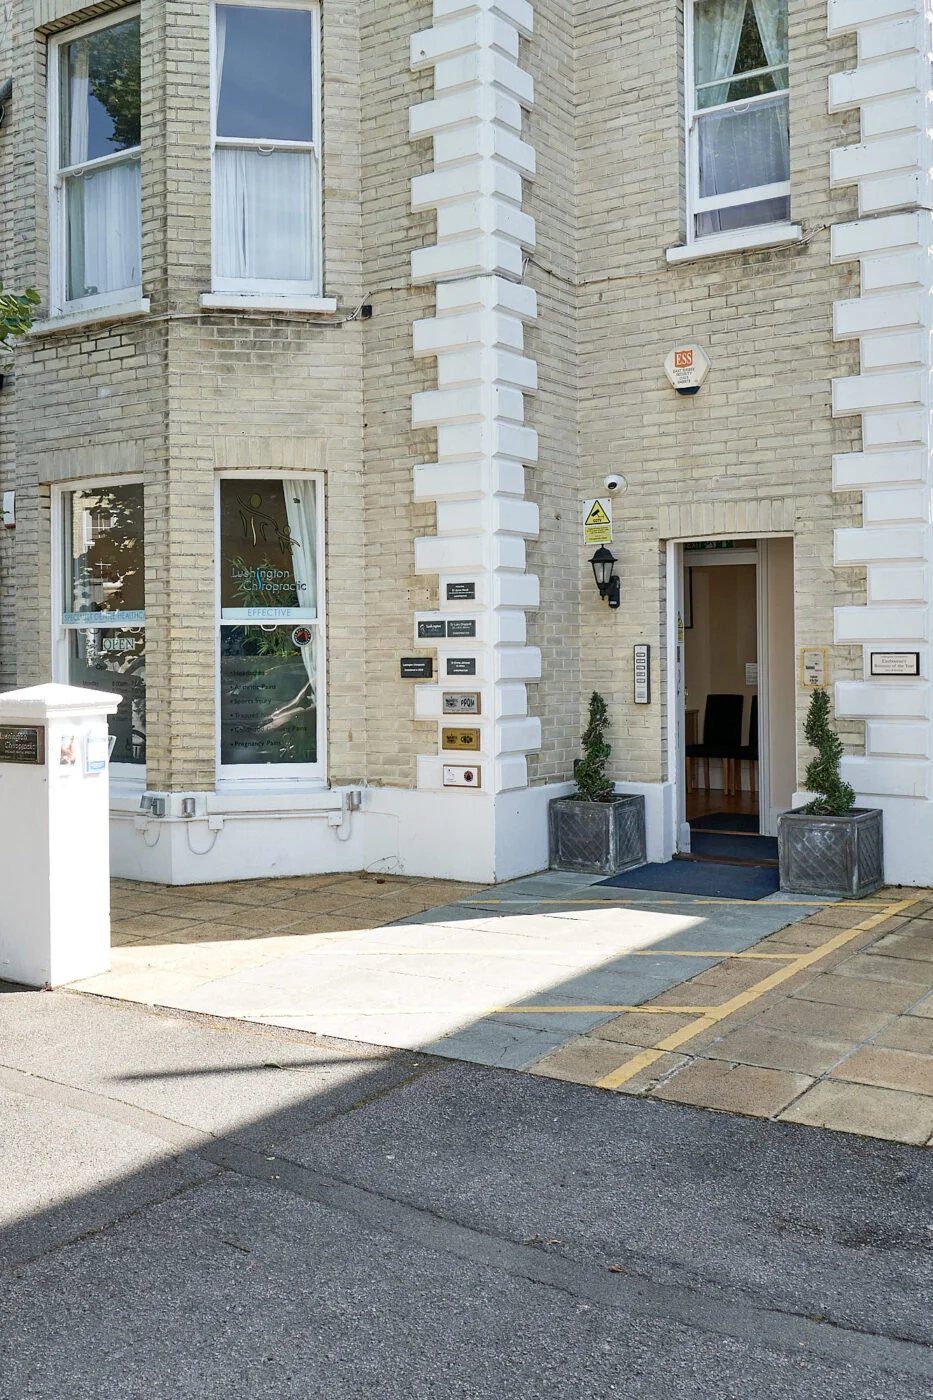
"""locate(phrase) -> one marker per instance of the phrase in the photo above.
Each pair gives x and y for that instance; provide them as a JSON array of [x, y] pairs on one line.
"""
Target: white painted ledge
[[743, 240], [119, 311], [245, 301]]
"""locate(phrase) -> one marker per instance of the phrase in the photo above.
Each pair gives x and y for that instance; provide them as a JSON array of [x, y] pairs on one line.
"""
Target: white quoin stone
[[874, 699]]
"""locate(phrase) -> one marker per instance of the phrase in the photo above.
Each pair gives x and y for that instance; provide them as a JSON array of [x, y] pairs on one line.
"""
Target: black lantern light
[[607, 581]]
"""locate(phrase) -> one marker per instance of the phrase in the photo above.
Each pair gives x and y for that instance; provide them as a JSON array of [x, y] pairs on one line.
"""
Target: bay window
[[271, 653], [737, 113], [102, 605], [94, 138], [266, 149]]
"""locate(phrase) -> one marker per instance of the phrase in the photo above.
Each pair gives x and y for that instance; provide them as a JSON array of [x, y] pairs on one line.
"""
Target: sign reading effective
[[22, 744], [642, 674], [427, 630], [462, 740], [597, 521], [895, 663], [461, 665], [461, 592], [813, 668], [417, 668], [686, 367], [462, 702]]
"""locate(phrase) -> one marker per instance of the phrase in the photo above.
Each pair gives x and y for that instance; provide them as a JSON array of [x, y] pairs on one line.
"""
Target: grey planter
[[842, 856], [597, 838]]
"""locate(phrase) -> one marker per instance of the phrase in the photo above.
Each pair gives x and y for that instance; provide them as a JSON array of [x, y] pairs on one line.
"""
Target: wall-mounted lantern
[[607, 581]]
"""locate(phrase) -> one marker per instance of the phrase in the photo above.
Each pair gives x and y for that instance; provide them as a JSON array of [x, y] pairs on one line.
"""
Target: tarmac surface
[[209, 1209]]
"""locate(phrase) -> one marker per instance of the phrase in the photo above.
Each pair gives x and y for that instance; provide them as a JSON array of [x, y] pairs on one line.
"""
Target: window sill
[[246, 301], [99, 315], [742, 240]]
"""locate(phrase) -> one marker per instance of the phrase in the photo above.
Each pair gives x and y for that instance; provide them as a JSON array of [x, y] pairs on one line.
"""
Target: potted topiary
[[596, 830], [830, 846]]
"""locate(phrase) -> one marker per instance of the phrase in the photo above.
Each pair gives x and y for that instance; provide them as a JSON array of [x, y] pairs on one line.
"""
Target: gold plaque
[[461, 740]]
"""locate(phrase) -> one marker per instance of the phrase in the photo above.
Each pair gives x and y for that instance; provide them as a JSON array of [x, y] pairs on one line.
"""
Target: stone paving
[[780, 1008]]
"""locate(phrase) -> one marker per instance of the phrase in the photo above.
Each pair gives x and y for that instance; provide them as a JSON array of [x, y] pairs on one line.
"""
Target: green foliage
[[15, 317], [834, 797], [114, 79], [590, 772]]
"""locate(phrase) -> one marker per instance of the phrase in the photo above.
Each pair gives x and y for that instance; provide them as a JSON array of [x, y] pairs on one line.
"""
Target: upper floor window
[[95, 214], [266, 142], [737, 114]]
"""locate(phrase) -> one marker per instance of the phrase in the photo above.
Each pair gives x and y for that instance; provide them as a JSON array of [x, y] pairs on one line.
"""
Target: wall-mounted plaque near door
[[24, 744], [461, 665], [895, 663], [417, 668], [642, 674], [461, 592], [462, 702]]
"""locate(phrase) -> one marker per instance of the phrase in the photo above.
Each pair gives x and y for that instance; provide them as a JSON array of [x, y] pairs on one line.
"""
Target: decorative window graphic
[[96, 175], [103, 616], [738, 114], [270, 652], [266, 218]]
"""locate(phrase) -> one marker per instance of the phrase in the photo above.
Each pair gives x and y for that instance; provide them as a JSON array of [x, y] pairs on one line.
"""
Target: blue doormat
[[718, 844], [727, 821], [696, 877]]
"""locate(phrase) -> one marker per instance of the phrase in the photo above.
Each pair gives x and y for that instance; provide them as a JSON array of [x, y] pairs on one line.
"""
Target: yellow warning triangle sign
[[597, 515]]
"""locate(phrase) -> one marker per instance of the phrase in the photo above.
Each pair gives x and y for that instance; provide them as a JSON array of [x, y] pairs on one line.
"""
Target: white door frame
[[676, 706]]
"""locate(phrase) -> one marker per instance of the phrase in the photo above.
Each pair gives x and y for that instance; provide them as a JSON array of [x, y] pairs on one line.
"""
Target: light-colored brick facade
[[564, 126]]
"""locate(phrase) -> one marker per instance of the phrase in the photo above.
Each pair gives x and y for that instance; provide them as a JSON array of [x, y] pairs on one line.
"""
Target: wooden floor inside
[[702, 803]]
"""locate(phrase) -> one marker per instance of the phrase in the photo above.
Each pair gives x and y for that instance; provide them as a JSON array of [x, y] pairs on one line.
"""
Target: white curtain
[[743, 147], [301, 512], [263, 214], [77, 104], [104, 230], [716, 36], [772, 26]]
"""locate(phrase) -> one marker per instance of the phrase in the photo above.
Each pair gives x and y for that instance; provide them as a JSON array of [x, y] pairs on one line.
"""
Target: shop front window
[[270, 651], [103, 617]]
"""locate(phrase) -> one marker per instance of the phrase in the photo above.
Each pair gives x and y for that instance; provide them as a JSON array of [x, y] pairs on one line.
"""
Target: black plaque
[[427, 630], [462, 627], [417, 668], [22, 744], [461, 665], [461, 592]]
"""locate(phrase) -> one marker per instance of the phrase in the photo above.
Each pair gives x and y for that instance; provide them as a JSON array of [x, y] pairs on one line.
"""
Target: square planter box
[[842, 856], [597, 838]]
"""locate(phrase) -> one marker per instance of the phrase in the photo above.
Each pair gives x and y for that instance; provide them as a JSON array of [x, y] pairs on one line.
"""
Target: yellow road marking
[[681, 903], [564, 1010], [712, 1016]]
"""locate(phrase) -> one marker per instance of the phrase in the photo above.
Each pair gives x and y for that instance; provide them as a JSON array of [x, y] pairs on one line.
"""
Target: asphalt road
[[199, 1210]]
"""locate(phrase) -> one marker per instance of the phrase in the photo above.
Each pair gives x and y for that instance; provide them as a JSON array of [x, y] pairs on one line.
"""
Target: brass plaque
[[22, 744], [462, 740]]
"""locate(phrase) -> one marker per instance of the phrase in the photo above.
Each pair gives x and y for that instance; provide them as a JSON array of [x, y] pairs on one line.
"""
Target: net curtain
[[262, 205], [103, 206]]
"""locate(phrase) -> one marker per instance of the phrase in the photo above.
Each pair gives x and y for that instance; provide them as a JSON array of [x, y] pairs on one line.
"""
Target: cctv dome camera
[[615, 482]]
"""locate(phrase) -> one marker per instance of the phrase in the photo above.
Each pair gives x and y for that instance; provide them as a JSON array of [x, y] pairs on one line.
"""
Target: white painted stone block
[[511, 773], [512, 627], [460, 182], [875, 699], [856, 240], [896, 36], [515, 12], [518, 663], [894, 429], [517, 591], [886, 116], [515, 517], [881, 157], [467, 257], [510, 701], [854, 471], [889, 351], [902, 739], [488, 293], [904, 505], [443, 40], [881, 626], [434, 555], [898, 583], [888, 777], [878, 193], [483, 365], [883, 272], [846, 15], [903, 74], [518, 735], [881, 546], [859, 392], [446, 406], [878, 313], [461, 517]]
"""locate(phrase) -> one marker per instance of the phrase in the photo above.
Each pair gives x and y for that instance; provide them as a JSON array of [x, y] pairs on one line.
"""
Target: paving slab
[[747, 1089], [860, 1108], [888, 1069], [908, 1033], [777, 1049]]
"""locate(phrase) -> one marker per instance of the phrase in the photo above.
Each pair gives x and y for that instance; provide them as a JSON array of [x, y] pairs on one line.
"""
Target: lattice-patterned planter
[[832, 856], [597, 838]]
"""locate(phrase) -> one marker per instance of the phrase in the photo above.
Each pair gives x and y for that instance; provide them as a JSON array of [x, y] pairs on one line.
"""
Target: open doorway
[[735, 697]]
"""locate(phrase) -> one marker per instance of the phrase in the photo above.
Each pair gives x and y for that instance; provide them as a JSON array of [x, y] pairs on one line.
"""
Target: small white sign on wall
[[751, 673], [597, 521]]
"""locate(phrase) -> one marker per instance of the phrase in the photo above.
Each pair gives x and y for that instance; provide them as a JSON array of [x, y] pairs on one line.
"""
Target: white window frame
[[712, 204], [131, 775], [243, 777], [59, 304], [266, 286]]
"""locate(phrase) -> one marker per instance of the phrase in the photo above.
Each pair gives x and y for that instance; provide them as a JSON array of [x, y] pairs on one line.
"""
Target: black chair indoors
[[749, 752], [722, 739]]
